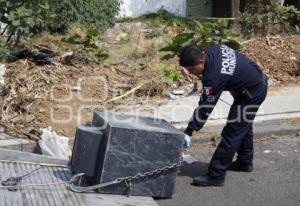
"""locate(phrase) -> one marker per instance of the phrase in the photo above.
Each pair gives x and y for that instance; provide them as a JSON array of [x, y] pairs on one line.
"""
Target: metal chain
[[155, 172], [80, 189], [127, 180]]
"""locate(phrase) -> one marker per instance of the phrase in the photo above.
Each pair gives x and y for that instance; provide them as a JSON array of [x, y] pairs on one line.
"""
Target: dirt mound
[[63, 96], [278, 56]]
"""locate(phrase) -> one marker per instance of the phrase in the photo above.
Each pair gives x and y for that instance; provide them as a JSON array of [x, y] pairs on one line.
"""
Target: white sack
[[54, 145], [2, 73]]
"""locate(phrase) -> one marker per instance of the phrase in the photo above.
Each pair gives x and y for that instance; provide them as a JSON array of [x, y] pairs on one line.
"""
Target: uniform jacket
[[224, 70]]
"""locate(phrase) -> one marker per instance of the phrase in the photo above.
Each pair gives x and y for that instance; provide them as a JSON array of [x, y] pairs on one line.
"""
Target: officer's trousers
[[237, 135]]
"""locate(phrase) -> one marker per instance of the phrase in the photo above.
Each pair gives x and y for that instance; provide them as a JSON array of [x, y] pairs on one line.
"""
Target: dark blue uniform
[[227, 70]]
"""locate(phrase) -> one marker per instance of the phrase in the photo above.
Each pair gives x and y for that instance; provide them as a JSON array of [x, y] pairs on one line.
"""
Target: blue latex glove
[[187, 142]]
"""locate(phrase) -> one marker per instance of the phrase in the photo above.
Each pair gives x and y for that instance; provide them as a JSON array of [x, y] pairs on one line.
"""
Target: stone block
[[131, 145], [85, 150]]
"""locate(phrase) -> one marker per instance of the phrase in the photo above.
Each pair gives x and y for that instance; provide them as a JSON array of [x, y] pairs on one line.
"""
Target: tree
[[235, 12], [29, 17], [235, 8]]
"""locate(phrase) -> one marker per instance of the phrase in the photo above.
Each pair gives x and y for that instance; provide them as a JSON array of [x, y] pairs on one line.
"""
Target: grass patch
[[138, 48], [168, 73], [4, 49], [162, 17]]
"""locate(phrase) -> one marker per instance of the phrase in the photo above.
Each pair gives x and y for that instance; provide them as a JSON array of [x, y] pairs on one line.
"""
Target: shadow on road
[[193, 170]]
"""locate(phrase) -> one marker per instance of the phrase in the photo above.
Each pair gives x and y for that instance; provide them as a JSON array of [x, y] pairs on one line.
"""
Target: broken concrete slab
[[14, 143], [18, 156]]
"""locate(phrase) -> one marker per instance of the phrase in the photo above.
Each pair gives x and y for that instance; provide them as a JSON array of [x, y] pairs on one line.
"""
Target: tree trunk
[[235, 12], [235, 8]]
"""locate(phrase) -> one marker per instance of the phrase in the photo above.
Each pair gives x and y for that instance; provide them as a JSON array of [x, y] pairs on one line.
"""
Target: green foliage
[[215, 140], [161, 23], [203, 35], [90, 51], [152, 33], [166, 18], [92, 13], [4, 51], [168, 72], [273, 19], [28, 17], [24, 17], [161, 18]]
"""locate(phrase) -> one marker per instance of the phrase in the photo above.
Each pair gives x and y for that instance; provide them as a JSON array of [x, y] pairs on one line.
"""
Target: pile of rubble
[[278, 56]]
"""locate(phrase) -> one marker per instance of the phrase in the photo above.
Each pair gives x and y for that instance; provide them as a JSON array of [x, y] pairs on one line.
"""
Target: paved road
[[275, 180]]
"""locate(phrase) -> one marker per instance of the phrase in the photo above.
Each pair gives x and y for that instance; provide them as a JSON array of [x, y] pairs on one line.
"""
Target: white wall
[[281, 2], [134, 8], [2, 26]]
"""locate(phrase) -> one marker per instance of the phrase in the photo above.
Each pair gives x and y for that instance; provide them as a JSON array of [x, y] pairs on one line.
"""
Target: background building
[[206, 8]]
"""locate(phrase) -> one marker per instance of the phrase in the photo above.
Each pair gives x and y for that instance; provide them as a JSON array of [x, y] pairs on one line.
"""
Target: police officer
[[224, 69]]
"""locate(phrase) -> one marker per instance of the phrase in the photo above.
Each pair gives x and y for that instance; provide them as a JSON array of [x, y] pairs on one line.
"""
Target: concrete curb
[[19, 144]]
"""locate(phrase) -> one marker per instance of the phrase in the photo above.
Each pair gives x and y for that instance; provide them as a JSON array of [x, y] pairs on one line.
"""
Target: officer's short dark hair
[[190, 56]]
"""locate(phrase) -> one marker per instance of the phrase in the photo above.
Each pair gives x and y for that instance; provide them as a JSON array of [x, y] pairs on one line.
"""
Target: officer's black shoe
[[205, 180], [240, 167]]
